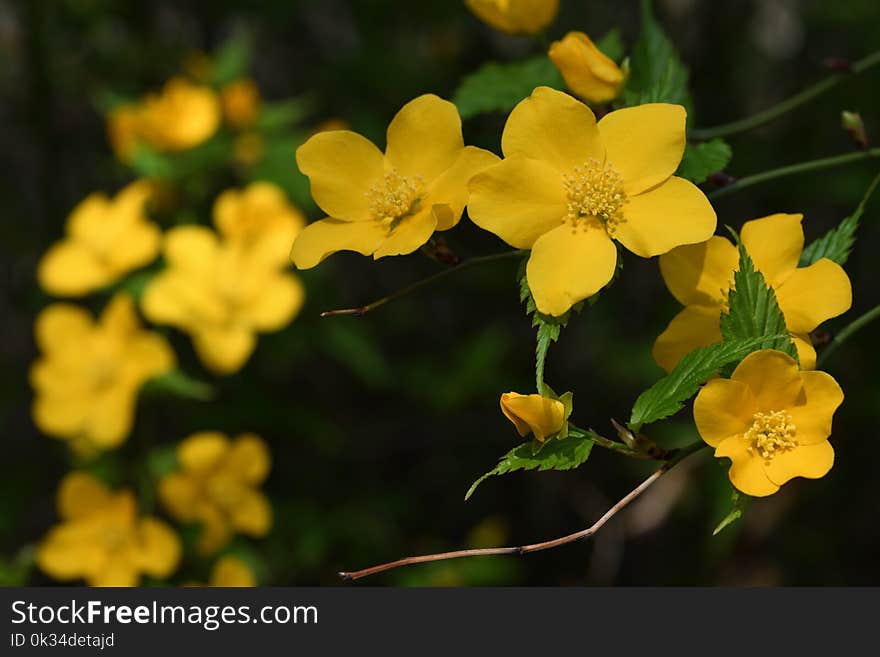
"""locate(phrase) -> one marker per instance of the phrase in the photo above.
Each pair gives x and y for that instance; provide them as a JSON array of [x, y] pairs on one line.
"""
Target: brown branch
[[678, 456]]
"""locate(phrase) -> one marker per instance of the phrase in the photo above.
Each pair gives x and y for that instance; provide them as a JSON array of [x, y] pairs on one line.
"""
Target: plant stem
[[607, 443], [360, 311], [793, 169], [771, 113], [857, 324]]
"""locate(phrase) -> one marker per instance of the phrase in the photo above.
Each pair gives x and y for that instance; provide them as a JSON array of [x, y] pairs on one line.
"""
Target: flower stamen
[[770, 434], [595, 190], [394, 197]]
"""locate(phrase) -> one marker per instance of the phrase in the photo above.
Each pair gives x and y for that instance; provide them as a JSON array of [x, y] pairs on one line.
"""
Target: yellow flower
[[241, 102], [568, 187], [771, 420], [542, 416], [231, 571], [217, 487], [589, 74], [123, 130], [515, 16], [106, 238], [700, 276], [391, 204], [87, 379], [103, 540]]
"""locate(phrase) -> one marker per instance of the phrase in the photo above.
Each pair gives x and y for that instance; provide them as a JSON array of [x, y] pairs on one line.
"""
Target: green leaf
[[232, 60], [611, 45], [285, 113], [702, 160], [498, 87], [549, 328], [739, 503], [565, 454], [837, 243], [177, 383], [669, 394], [753, 310]]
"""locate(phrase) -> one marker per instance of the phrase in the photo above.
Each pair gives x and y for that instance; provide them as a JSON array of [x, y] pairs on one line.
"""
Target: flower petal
[[723, 408], [451, 187], [812, 415], [60, 415], [518, 200], [746, 471], [773, 377], [118, 571], [327, 236], [224, 350], [411, 233], [341, 166], [644, 144], [62, 327], [138, 247], [179, 494], [248, 459], [70, 269], [111, 416], [533, 414], [231, 571], [569, 264], [424, 138], [693, 327], [553, 127], [201, 452], [276, 304], [191, 248], [700, 274], [674, 213], [159, 551], [810, 461], [805, 351], [80, 494], [774, 244], [252, 515], [811, 295]]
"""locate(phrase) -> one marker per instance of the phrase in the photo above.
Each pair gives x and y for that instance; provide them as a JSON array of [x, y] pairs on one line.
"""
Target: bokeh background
[[378, 425]]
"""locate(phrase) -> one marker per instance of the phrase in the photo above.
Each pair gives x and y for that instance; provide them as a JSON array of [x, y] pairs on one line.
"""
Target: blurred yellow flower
[[515, 16], [541, 416], [241, 102], [588, 72], [568, 187], [771, 420], [225, 291], [88, 376], [392, 204], [700, 276], [249, 148], [216, 487], [106, 238], [102, 539], [231, 571]]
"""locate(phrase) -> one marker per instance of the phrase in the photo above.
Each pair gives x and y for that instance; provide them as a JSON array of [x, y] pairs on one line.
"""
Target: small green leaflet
[[702, 160], [549, 328], [498, 87], [754, 312], [739, 503], [669, 394], [565, 454], [837, 243]]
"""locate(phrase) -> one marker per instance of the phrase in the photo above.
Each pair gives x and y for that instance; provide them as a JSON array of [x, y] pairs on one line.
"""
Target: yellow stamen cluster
[[595, 190], [394, 196], [770, 434]]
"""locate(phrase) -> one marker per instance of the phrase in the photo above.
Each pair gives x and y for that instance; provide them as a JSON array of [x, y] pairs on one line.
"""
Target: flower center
[[394, 196], [595, 190], [770, 434]]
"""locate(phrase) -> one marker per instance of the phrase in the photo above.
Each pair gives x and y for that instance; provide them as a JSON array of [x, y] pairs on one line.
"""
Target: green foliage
[[279, 166], [232, 60], [670, 393], [702, 160], [739, 502], [549, 328], [565, 454], [177, 383], [838, 242], [611, 45], [185, 165], [498, 87], [284, 114], [753, 311]]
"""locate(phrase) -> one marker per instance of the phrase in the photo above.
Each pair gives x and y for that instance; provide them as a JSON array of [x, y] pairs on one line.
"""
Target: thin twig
[[847, 332], [677, 458], [360, 311]]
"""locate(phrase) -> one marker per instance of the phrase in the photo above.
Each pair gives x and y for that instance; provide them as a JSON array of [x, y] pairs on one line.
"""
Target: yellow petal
[[147, 355], [533, 413], [813, 412], [202, 451], [411, 233], [553, 127], [569, 264], [515, 16], [159, 551], [644, 144], [587, 71], [87, 221], [424, 138], [276, 304], [65, 555], [693, 327], [179, 494], [805, 351], [773, 377], [814, 294], [231, 571], [674, 213], [224, 350], [810, 461], [118, 571], [191, 248], [774, 244], [80, 494], [61, 415], [323, 238], [747, 472], [518, 200], [70, 269], [119, 318], [252, 515], [451, 187], [723, 408], [248, 459], [215, 532], [700, 274], [138, 247], [111, 416], [61, 327], [341, 166]]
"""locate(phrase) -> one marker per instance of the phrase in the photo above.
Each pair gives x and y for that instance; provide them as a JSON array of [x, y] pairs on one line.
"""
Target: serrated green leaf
[[702, 160], [838, 242], [565, 454], [611, 45], [669, 394], [739, 502], [498, 87], [549, 328], [753, 310]]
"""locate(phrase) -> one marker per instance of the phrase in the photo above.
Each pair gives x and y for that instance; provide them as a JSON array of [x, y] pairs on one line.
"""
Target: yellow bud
[[533, 413], [241, 102], [591, 75], [515, 16]]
